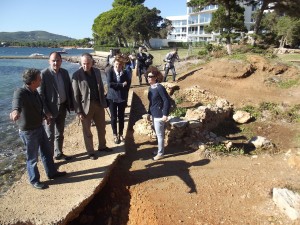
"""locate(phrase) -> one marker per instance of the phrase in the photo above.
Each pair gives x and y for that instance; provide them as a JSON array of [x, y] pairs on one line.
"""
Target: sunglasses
[[151, 76]]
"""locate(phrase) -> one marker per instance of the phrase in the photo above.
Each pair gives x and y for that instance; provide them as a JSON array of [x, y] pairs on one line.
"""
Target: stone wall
[[197, 121]]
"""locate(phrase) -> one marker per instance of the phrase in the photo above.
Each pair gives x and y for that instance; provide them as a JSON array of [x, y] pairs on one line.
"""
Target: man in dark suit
[[89, 103], [27, 111], [57, 96]]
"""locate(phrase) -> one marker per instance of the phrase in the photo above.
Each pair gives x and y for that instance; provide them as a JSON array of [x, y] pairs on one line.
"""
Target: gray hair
[[30, 75], [88, 56]]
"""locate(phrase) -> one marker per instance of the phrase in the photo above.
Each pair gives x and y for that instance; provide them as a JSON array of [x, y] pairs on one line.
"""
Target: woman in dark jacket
[[118, 83], [159, 107]]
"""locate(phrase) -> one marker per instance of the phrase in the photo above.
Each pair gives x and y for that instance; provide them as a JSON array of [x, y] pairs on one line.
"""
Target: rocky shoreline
[[99, 58]]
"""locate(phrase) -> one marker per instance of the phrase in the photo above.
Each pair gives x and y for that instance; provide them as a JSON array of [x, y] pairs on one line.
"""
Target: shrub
[[252, 110], [293, 114], [288, 84], [179, 112]]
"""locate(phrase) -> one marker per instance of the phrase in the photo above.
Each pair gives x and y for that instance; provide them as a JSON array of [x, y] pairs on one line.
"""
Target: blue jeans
[[159, 127], [35, 141]]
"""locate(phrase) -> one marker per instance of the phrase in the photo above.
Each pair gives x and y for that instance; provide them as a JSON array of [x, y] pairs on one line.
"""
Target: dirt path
[[185, 188]]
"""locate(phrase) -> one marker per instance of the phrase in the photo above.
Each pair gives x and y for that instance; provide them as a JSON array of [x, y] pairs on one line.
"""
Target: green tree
[[166, 28], [288, 29], [226, 12], [123, 23], [228, 29], [129, 3], [142, 24], [107, 25], [287, 7]]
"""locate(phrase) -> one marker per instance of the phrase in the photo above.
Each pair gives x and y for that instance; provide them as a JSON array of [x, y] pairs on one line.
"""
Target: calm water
[[11, 152]]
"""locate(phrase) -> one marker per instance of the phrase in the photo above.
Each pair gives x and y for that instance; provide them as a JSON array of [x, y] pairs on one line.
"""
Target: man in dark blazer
[[89, 103], [57, 96]]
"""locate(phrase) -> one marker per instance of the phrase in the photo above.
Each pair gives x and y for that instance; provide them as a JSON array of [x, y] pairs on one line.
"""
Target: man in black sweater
[[27, 110]]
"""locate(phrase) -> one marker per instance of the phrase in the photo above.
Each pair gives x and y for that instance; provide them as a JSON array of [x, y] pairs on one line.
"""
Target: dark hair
[[57, 53], [156, 72], [30, 75]]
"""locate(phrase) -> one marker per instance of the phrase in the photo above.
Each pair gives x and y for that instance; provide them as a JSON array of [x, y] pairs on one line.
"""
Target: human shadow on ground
[[116, 191], [163, 168], [80, 176]]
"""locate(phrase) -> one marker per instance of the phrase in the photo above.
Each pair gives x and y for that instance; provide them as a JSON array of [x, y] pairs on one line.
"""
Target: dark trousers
[[117, 112], [142, 71], [167, 71], [55, 131]]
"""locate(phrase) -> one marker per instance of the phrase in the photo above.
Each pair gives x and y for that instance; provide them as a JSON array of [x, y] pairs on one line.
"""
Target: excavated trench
[[111, 204]]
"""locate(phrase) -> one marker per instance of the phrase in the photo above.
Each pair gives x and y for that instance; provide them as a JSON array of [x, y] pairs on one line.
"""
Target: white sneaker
[[157, 157]]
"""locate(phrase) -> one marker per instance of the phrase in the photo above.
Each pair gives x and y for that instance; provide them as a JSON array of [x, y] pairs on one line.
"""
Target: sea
[[12, 155]]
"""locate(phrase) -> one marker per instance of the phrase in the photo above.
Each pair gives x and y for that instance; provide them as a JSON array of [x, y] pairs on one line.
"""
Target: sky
[[71, 18]]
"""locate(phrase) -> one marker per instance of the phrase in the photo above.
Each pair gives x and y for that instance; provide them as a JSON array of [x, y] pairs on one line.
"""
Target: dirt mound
[[184, 187]]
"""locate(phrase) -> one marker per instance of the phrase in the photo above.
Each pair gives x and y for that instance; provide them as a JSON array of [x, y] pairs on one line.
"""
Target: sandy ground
[[187, 188]]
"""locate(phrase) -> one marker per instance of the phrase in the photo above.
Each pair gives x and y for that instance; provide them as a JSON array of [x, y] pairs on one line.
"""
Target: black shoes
[[62, 157], [39, 185], [121, 138], [106, 149], [57, 174], [116, 139], [92, 156]]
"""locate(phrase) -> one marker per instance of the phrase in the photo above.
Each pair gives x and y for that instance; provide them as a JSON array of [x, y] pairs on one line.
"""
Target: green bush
[[252, 110], [179, 112], [221, 148], [288, 84], [293, 114], [202, 52], [270, 106]]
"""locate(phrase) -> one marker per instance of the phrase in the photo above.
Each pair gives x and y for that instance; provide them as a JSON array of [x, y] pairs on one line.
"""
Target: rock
[[178, 123], [288, 202], [261, 142], [241, 117]]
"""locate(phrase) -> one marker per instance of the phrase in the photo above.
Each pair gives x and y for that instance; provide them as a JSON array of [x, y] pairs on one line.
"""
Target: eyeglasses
[[151, 76]]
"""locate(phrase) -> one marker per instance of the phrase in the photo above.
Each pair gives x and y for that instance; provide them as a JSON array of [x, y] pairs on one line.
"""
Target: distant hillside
[[32, 36]]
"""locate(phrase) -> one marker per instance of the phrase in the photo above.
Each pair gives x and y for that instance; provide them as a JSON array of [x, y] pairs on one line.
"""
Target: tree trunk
[[228, 40], [119, 41], [228, 46], [125, 42], [260, 14], [147, 44], [281, 45]]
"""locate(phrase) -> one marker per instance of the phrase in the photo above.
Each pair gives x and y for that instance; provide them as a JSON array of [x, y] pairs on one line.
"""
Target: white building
[[190, 27]]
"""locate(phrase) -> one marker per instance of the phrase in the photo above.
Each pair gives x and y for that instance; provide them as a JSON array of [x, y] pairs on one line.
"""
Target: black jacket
[[30, 106], [116, 91]]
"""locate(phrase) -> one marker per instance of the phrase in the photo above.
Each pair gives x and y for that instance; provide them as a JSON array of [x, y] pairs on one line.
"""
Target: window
[[205, 17], [193, 30], [201, 31], [210, 7], [192, 9], [193, 19]]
